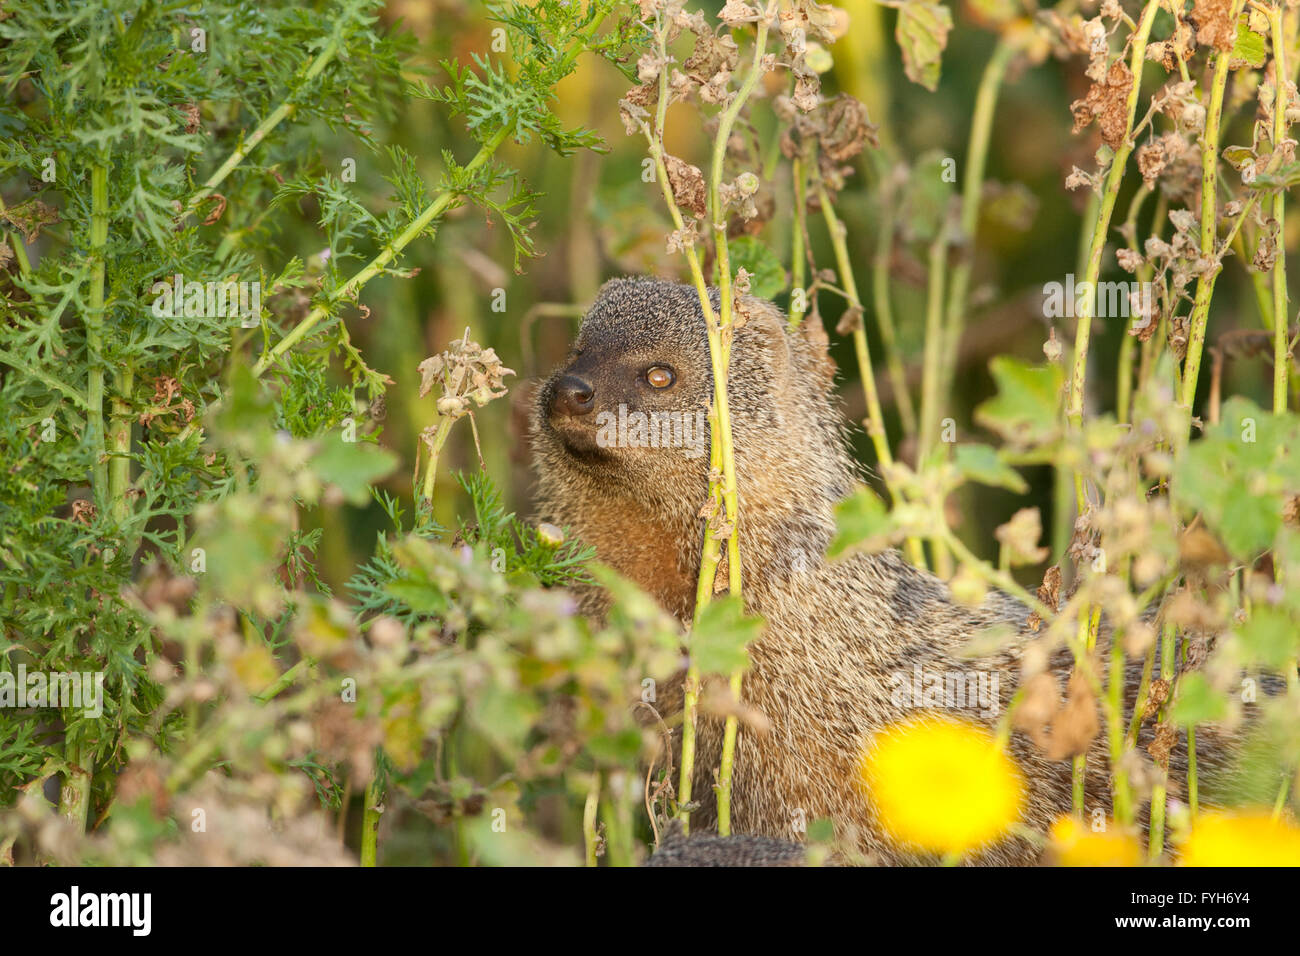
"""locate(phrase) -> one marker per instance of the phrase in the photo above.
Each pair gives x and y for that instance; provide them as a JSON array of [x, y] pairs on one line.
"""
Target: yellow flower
[[942, 785], [1073, 844], [1245, 838]]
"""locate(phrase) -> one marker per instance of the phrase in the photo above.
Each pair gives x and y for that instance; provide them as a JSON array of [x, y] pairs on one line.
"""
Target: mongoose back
[[825, 672]]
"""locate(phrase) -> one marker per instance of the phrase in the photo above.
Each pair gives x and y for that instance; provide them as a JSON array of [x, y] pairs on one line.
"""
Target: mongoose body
[[841, 637]]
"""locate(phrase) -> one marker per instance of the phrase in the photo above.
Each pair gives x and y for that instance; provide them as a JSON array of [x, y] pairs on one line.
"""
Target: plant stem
[[1123, 804], [95, 326], [1155, 839], [1281, 312], [1124, 391], [373, 808], [270, 122], [119, 466], [1079, 367], [875, 418], [381, 261], [934, 346], [798, 267], [720, 353], [1114, 177], [1209, 222], [74, 795], [431, 472], [881, 303], [981, 131], [710, 553], [589, 809], [999, 579]]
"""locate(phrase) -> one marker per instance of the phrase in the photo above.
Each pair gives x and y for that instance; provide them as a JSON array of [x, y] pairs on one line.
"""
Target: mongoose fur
[[837, 632], [708, 850]]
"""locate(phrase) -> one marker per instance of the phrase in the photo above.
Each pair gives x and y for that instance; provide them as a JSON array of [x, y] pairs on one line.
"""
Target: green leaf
[[922, 33], [981, 463], [1239, 474], [1024, 410], [718, 639], [768, 275], [1197, 702], [353, 466], [617, 749], [927, 196], [862, 523], [504, 716], [1249, 48], [1270, 637]]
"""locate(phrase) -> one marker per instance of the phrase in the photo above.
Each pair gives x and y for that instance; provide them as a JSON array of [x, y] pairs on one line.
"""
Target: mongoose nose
[[573, 396]]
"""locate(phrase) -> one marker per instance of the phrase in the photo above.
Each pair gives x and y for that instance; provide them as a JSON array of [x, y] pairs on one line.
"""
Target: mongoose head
[[621, 430], [631, 401]]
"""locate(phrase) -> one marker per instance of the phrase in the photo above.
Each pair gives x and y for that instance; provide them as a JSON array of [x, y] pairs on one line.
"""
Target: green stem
[[431, 472], [720, 353], [1123, 803], [710, 553], [931, 372], [284, 681], [377, 265], [1159, 792], [728, 762], [270, 122], [95, 326], [119, 466], [1281, 312], [798, 267], [370, 820], [1124, 392], [74, 795], [691, 688], [1209, 222], [934, 346], [881, 302], [589, 819], [1114, 177], [981, 132], [875, 417], [993, 576]]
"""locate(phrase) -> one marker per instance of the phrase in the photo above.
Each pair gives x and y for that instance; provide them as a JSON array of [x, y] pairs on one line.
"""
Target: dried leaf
[[922, 33], [687, 183], [1107, 103]]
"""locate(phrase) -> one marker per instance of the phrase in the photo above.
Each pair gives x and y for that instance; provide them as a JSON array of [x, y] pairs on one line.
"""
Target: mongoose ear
[[813, 333], [764, 325]]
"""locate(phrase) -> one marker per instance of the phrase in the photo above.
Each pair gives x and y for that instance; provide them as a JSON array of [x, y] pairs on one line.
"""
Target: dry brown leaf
[[1107, 103]]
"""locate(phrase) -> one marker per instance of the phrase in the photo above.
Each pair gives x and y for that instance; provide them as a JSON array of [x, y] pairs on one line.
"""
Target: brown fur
[[836, 632]]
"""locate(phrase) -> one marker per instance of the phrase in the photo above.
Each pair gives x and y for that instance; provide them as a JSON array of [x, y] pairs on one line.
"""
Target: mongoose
[[825, 672]]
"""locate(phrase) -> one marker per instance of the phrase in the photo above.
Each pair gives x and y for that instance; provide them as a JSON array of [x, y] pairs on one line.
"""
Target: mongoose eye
[[660, 376]]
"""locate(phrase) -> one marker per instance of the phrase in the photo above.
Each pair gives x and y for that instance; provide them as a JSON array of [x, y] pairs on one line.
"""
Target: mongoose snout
[[573, 396]]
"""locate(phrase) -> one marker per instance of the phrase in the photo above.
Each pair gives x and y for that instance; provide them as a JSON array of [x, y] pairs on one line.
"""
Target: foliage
[[209, 507]]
